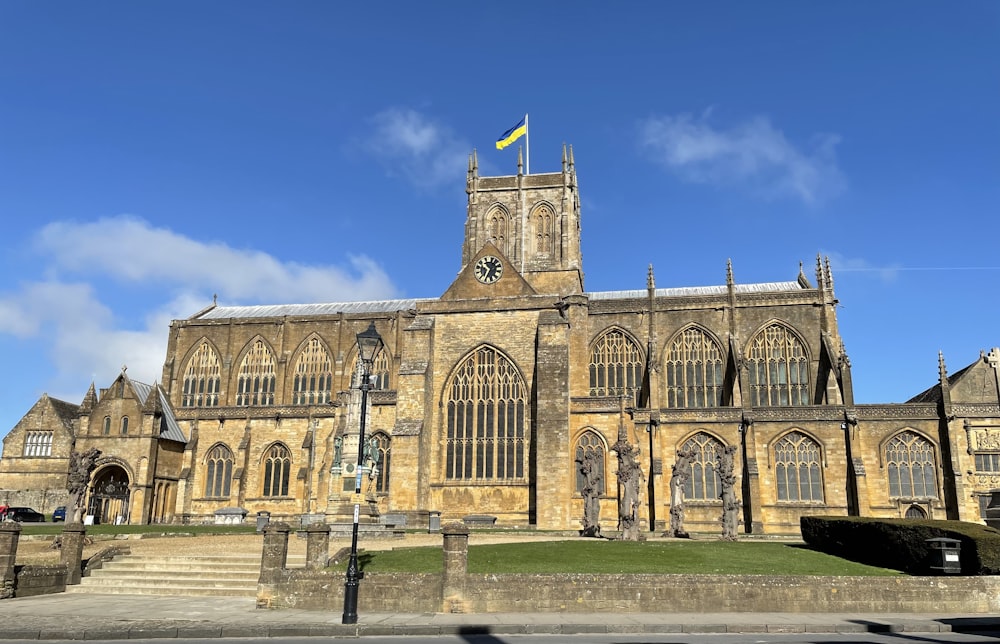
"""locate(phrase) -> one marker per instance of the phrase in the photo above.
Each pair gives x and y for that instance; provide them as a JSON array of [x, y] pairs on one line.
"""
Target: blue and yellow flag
[[513, 133]]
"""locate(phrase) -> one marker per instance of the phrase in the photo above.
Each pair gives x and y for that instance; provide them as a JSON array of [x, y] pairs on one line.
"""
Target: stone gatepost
[[317, 546], [456, 559], [10, 534], [71, 551], [275, 555]]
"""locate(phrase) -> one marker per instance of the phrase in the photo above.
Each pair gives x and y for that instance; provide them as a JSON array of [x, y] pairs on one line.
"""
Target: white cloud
[[131, 250], [753, 154], [412, 146], [842, 264], [91, 332]]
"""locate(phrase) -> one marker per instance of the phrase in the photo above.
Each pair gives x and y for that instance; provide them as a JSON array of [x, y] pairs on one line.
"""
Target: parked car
[[24, 515], [59, 514]]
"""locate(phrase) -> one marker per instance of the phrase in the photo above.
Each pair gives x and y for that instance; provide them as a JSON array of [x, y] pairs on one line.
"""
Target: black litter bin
[[263, 518], [944, 556]]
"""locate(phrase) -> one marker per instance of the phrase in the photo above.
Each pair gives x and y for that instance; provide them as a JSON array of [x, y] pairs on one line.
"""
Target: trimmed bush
[[901, 544]]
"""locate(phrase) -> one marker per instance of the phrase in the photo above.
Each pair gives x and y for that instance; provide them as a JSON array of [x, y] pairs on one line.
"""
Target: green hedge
[[900, 544]]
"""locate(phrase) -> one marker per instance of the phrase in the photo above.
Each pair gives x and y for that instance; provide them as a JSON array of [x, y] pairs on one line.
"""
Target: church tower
[[533, 220]]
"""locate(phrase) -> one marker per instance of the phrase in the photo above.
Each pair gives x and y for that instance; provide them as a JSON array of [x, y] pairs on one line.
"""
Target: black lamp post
[[369, 344]]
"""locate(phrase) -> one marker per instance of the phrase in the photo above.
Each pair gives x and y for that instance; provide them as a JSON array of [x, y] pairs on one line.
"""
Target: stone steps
[[219, 576]]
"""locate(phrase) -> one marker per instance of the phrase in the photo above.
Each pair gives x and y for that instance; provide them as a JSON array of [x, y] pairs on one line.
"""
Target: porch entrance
[[109, 496]]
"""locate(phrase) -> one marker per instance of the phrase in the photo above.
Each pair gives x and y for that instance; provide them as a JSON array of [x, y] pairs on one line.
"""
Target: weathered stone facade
[[484, 398]]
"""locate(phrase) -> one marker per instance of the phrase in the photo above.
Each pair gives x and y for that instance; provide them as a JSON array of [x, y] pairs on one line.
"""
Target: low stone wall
[[318, 588], [728, 593], [384, 592], [39, 580]]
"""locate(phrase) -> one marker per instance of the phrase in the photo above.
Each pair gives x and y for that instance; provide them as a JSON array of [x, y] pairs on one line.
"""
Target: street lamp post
[[369, 344]]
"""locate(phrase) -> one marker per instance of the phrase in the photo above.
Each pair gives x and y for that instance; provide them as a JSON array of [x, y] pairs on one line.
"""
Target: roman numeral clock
[[488, 269]]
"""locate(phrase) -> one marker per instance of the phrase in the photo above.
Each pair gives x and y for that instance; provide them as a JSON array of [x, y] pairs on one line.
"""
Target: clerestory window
[[695, 370], [313, 375], [255, 382]]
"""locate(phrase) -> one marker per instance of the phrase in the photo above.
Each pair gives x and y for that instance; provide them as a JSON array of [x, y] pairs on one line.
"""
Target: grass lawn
[[608, 557]]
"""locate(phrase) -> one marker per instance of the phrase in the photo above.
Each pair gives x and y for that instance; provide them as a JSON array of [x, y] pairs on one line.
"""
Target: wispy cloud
[[754, 155], [886, 273], [91, 331], [414, 147]]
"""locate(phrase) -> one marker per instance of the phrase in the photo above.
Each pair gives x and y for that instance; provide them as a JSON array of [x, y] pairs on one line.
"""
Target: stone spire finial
[[819, 271], [802, 279], [564, 159], [572, 163], [520, 160], [829, 274], [650, 279], [942, 369], [729, 272]]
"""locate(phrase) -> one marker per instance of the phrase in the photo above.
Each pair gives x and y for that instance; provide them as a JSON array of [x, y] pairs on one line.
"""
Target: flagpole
[[527, 145]]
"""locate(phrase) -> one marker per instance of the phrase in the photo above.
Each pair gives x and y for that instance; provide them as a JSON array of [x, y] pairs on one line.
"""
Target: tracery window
[[590, 443], [704, 483], [797, 468], [38, 443], [379, 376], [911, 464], [695, 370], [202, 378], [779, 369], [382, 444], [255, 382], [543, 230], [219, 471], [616, 366], [277, 470], [313, 375], [499, 230], [486, 436]]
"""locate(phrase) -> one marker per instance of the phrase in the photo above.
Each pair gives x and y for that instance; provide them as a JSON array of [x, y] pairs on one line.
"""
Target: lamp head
[[369, 344]]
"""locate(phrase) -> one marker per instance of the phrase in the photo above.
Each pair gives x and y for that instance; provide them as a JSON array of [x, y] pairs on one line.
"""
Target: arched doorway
[[109, 496]]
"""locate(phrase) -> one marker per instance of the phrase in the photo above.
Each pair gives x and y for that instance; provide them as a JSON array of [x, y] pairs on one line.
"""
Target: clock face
[[488, 269]]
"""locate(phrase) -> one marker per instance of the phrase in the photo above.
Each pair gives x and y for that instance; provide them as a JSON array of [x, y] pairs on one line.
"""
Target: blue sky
[[153, 154]]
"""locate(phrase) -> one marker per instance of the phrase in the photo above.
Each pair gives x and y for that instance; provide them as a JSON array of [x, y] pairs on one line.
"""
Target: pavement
[[106, 617]]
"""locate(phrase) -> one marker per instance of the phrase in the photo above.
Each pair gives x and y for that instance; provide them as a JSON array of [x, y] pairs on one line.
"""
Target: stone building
[[486, 398]]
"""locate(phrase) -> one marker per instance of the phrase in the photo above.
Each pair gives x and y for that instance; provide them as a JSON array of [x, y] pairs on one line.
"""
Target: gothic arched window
[[382, 444], [255, 382], [590, 443], [486, 436], [499, 230], [695, 370], [107, 425], [277, 470], [616, 366], [542, 220], [797, 468], [704, 483], [124, 426], [911, 464], [218, 471], [379, 376], [202, 378], [313, 375], [779, 368]]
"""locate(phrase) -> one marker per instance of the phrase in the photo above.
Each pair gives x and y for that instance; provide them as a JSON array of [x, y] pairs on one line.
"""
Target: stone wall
[[40, 580], [384, 592], [455, 590]]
